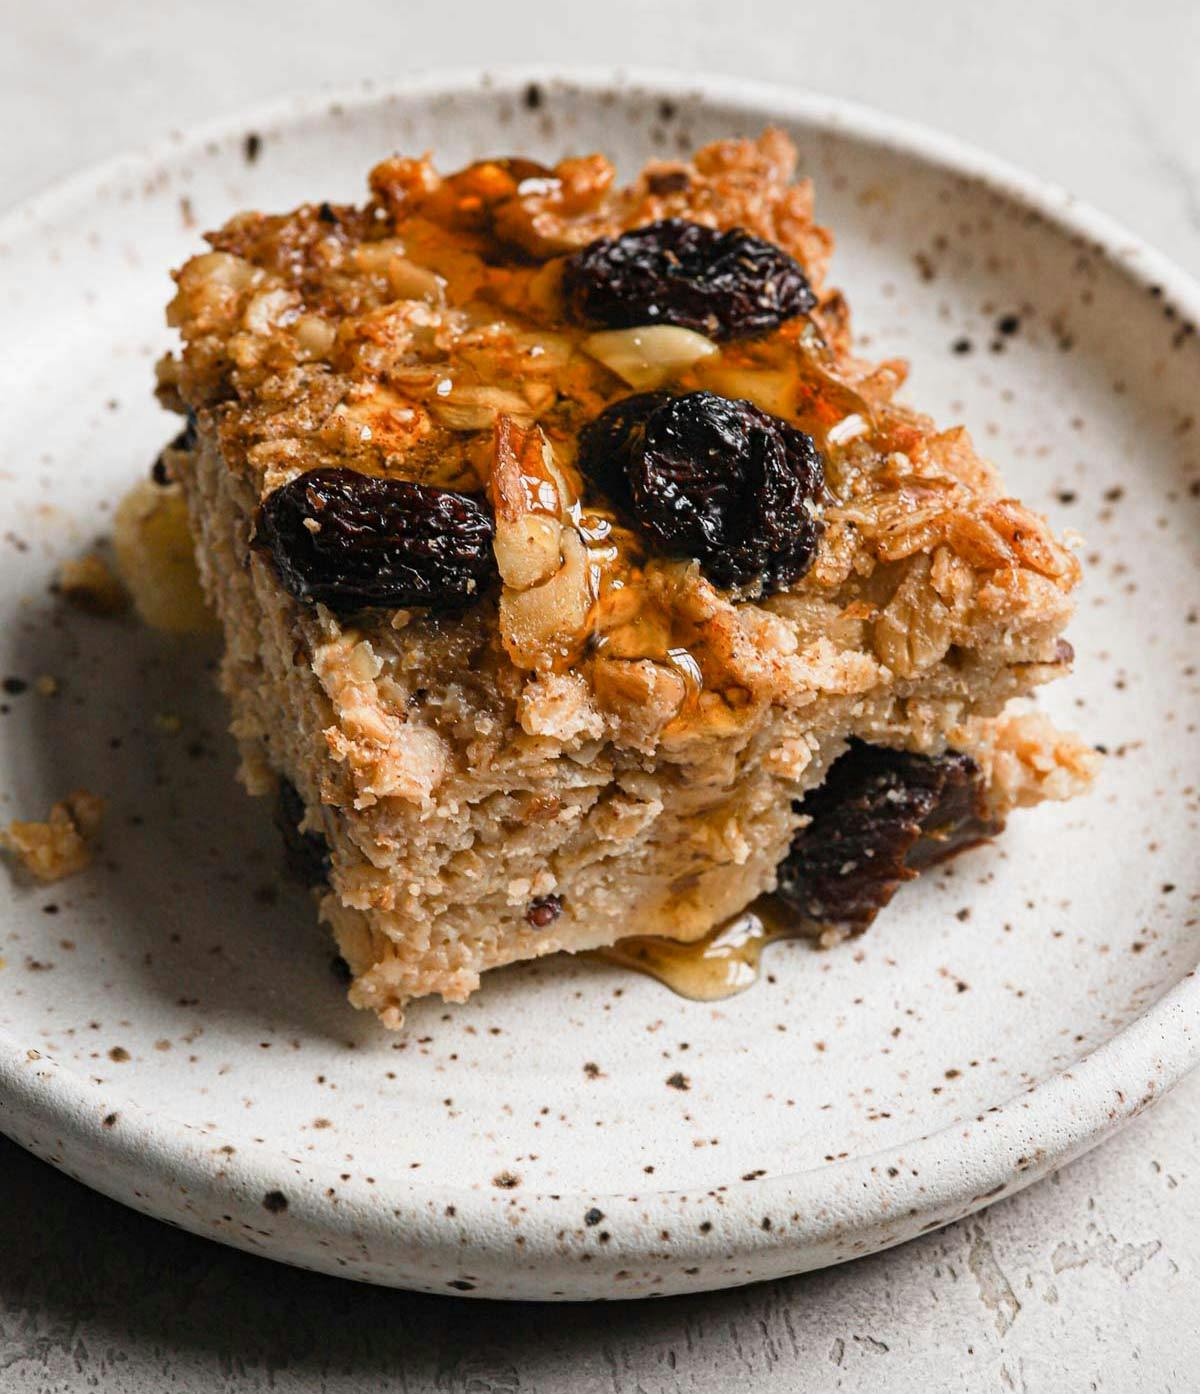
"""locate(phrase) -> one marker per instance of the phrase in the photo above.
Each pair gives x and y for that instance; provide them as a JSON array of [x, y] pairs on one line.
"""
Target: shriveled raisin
[[306, 855], [350, 540], [880, 817], [543, 910], [728, 285], [712, 478]]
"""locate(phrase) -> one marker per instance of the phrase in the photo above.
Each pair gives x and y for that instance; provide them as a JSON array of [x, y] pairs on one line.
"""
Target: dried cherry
[[712, 478], [728, 285], [350, 540]]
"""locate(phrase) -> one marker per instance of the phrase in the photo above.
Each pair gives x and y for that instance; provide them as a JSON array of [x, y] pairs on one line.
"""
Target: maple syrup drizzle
[[720, 964]]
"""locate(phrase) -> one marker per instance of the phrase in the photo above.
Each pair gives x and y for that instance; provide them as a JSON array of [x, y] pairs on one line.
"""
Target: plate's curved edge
[[1057, 204], [819, 1216], [778, 1225]]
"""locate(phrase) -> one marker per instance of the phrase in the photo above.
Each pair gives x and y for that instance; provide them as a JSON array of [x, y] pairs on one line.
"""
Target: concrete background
[[1088, 1281]]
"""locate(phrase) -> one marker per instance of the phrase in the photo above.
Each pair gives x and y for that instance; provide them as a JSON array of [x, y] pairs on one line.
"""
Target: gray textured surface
[[1085, 1282]]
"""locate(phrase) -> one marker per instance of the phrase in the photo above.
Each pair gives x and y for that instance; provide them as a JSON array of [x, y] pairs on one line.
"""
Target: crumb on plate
[[89, 584], [62, 845]]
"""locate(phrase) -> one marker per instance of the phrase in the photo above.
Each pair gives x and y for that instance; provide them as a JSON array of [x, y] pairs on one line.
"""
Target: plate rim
[[964, 1164]]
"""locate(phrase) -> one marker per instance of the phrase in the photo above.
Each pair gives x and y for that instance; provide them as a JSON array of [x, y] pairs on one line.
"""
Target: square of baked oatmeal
[[579, 581]]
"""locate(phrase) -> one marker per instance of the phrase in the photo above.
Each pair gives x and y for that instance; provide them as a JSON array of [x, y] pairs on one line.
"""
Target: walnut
[[547, 217], [211, 291], [548, 587]]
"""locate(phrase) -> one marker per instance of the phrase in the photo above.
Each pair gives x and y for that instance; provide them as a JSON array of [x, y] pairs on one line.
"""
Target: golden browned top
[[424, 335]]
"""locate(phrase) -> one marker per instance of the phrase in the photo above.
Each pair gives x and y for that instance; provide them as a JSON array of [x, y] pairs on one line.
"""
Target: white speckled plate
[[170, 1028]]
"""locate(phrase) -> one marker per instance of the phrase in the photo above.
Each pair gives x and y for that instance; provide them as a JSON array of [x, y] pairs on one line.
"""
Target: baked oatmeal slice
[[562, 546]]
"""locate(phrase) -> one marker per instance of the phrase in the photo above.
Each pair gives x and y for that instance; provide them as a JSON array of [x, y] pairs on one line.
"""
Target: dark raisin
[[712, 478], [184, 440], [349, 540], [543, 910], [306, 855], [880, 817], [727, 285]]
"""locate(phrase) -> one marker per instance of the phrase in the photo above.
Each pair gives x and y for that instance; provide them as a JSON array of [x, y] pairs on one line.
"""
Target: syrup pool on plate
[[719, 964]]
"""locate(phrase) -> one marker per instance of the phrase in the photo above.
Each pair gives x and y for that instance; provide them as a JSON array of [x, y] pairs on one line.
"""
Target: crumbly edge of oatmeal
[[447, 816], [1024, 759], [61, 846]]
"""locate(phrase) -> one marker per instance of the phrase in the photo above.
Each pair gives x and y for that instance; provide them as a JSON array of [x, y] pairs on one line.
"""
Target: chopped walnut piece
[[549, 216], [548, 588], [62, 845]]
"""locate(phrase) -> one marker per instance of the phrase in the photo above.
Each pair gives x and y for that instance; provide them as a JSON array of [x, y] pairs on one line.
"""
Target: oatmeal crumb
[[89, 584], [62, 845]]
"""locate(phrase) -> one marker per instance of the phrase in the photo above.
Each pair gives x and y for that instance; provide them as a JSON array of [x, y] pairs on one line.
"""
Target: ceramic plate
[[171, 1031]]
